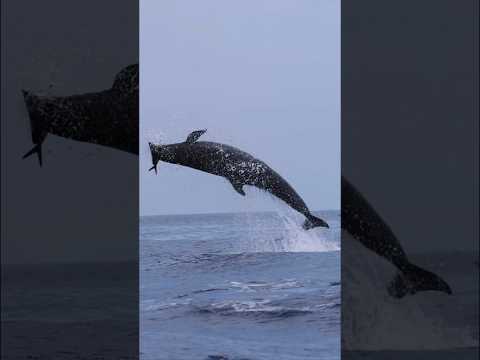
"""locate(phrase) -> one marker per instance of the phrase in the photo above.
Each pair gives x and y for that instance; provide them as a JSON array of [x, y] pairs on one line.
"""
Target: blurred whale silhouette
[[237, 166], [365, 225], [109, 117]]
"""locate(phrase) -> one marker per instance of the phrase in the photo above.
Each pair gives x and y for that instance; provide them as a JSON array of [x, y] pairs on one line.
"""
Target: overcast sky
[[261, 75]]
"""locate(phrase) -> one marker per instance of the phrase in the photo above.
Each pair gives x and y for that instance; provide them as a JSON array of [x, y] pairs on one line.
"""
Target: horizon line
[[225, 213]]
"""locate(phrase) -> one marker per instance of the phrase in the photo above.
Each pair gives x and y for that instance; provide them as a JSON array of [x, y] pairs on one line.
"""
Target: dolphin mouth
[[155, 158], [154, 167]]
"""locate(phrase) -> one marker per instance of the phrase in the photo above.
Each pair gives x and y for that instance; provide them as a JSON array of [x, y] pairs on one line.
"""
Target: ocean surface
[[239, 286], [69, 311]]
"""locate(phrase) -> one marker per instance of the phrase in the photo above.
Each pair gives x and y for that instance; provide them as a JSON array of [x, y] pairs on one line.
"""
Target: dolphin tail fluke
[[313, 222], [37, 149], [413, 279]]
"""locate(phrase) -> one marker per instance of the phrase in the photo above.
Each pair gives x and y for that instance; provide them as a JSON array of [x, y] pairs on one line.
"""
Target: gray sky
[[261, 75]]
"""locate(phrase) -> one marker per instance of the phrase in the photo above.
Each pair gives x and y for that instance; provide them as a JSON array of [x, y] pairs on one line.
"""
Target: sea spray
[[281, 230]]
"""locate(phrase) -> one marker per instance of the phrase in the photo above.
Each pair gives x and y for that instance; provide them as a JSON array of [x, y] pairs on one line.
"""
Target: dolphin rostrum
[[237, 166], [365, 225]]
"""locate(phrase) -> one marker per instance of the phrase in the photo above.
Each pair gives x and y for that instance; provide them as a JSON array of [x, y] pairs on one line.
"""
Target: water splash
[[282, 231], [293, 238]]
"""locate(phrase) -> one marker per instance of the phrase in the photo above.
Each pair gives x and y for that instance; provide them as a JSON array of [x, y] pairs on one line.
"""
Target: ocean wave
[[225, 357], [259, 286], [152, 305], [201, 291], [282, 307], [257, 308], [217, 259]]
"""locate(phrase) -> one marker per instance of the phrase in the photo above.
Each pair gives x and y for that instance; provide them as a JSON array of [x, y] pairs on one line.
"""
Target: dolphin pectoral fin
[[238, 187], [194, 136], [36, 149]]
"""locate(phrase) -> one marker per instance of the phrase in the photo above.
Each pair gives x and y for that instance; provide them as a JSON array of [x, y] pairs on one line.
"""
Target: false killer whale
[[237, 166], [108, 117], [360, 219]]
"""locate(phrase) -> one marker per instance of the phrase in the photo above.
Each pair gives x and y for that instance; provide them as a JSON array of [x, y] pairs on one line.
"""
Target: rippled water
[[239, 286]]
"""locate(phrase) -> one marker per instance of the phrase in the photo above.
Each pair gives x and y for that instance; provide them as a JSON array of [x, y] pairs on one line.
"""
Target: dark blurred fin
[[414, 279], [313, 222], [36, 149], [194, 136]]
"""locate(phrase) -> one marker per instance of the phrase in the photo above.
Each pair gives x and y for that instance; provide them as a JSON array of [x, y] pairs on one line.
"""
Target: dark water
[[239, 286], [69, 311]]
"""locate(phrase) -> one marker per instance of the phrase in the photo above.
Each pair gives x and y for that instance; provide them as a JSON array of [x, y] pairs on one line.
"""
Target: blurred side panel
[[69, 234], [410, 127]]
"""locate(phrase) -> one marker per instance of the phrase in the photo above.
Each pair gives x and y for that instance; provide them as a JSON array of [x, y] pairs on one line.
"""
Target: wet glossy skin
[[237, 166]]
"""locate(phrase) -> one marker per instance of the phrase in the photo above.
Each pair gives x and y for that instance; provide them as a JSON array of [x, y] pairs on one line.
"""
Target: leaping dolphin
[[237, 166], [108, 117], [365, 225]]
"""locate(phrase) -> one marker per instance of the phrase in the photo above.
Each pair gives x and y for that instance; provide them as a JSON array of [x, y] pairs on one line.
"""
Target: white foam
[[285, 232], [296, 239], [260, 286], [253, 306], [153, 305]]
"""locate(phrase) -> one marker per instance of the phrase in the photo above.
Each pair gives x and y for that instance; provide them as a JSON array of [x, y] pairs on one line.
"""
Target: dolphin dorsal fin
[[194, 136]]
